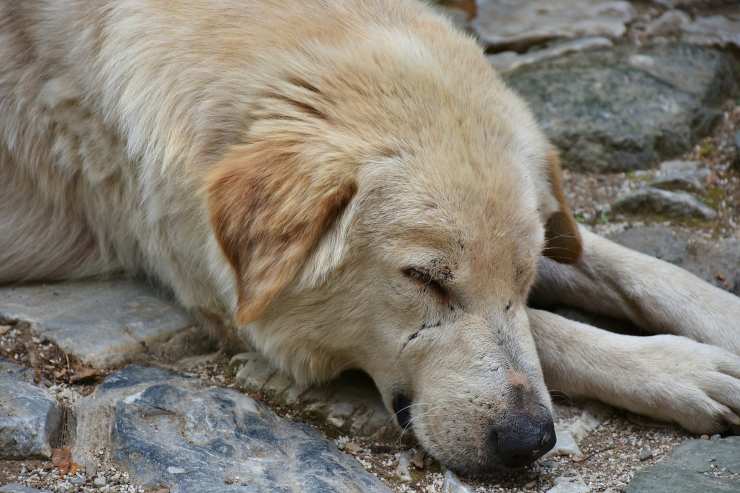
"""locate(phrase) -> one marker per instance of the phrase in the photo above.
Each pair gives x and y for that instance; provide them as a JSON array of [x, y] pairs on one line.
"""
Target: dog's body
[[328, 177]]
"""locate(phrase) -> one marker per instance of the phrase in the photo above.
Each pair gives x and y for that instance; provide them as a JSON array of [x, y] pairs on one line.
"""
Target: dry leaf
[[84, 375], [62, 459]]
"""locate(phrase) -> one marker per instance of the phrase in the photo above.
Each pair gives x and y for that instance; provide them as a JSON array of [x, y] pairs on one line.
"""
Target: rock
[[645, 453], [103, 323], [167, 430], [688, 176], [402, 470], [627, 108], [452, 484], [350, 403], [715, 30], [29, 415], [566, 484], [662, 202], [570, 432], [512, 23], [670, 22], [507, 61], [682, 167], [19, 488], [694, 466], [714, 261], [673, 182]]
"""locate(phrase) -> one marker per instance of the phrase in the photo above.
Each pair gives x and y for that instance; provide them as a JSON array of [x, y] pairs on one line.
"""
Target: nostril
[[402, 410], [547, 442]]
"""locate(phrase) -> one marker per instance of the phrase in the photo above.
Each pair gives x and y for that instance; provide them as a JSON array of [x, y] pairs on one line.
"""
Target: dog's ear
[[268, 208], [562, 239]]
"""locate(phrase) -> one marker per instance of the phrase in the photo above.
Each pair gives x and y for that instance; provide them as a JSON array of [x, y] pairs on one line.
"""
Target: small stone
[[402, 470], [704, 437], [662, 202], [452, 484], [569, 484], [645, 454], [670, 22], [99, 481], [716, 436], [175, 470]]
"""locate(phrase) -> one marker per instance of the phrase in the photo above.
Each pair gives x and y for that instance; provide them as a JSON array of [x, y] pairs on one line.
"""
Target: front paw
[[693, 384]]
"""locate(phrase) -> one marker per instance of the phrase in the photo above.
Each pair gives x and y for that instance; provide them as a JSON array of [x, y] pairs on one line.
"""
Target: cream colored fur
[[116, 120]]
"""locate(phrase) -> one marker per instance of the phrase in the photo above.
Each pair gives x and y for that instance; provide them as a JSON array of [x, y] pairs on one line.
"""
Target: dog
[[344, 184]]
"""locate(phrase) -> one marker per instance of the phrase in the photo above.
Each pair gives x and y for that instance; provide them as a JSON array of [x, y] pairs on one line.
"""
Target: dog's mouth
[[402, 410]]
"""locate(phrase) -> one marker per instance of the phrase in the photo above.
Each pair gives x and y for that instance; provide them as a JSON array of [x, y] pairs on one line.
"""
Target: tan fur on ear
[[563, 240], [269, 208]]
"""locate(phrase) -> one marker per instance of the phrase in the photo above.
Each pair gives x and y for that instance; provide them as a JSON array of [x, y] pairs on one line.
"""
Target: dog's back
[[111, 109]]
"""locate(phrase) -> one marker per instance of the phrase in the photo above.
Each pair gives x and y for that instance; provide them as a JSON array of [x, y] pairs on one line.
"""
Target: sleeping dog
[[344, 184]]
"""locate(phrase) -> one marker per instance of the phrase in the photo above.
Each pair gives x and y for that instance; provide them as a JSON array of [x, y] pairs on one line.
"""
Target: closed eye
[[426, 280]]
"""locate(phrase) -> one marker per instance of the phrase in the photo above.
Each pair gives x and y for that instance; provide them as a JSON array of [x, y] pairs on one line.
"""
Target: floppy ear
[[268, 209], [562, 238]]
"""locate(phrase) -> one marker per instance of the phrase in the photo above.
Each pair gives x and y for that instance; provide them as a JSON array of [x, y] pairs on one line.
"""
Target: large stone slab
[[715, 261], [29, 415], [696, 466], [513, 23], [626, 108], [103, 323], [171, 431]]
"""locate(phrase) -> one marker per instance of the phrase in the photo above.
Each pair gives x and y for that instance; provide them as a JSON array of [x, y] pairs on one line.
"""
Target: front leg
[[666, 377], [656, 296]]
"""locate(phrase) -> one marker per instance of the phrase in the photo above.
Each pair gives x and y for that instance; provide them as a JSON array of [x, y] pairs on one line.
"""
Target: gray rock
[[668, 23], [507, 61], [715, 261], [627, 108], [350, 403], [19, 488], [169, 430], [512, 23], [103, 323], [688, 176], [694, 466], [714, 30], [670, 204], [29, 415]]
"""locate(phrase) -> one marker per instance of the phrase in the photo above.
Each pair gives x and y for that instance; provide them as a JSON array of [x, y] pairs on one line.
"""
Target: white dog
[[349, 184]]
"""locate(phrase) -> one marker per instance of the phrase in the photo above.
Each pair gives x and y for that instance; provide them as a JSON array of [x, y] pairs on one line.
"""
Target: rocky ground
[[107, 386]]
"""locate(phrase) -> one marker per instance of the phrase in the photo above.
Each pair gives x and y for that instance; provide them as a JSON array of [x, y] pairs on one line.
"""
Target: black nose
[[522, 439]]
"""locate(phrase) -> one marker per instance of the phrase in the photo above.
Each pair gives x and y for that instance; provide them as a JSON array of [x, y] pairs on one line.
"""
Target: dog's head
[[387, 214]]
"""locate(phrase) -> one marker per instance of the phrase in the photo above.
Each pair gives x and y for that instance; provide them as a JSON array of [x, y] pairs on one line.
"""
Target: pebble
[[645, 454], [99, 481], [452, 484]]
